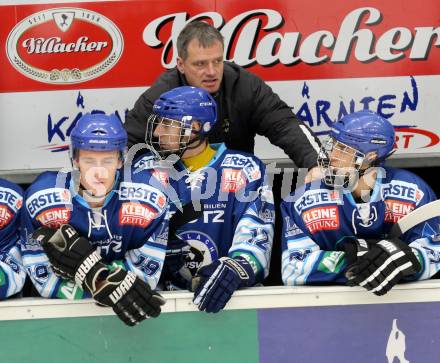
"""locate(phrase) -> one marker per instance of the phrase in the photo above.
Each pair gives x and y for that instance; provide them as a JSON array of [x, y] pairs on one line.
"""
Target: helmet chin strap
[[375, 163], [191, 144]]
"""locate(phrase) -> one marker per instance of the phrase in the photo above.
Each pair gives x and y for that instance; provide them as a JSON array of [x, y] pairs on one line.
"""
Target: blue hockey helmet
[[183, 105], [343, 157], [187, 104], [99, 132], [365, 131]]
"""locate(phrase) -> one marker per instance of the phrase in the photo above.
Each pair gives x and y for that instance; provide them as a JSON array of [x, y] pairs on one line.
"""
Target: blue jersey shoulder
[[10, 185], [48, 180]]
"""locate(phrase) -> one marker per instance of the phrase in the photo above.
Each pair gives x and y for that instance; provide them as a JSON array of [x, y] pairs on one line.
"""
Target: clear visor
[[339, 163], [166, 136]]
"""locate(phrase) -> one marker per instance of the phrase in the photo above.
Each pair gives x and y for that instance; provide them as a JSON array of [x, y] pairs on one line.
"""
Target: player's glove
[[130, 298], [217, 282], [72, 257], [383, 266], [176, 255], [353, 248]]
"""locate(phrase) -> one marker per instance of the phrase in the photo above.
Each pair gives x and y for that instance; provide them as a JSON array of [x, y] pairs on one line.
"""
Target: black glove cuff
[[89, 270]]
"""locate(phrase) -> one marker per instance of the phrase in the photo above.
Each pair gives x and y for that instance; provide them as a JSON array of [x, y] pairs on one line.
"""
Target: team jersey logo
[[203, 250], [322, 218], [136, 214], [364, 215], [47, 198], [11, 198], [317, 197], [54, 217], [233, 180], [5, 216], [248, 165], [290, 228], [142, 193], [402, 190], [396, 209]]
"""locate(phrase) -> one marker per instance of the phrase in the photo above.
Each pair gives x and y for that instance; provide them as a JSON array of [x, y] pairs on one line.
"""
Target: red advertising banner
[[88, 45]]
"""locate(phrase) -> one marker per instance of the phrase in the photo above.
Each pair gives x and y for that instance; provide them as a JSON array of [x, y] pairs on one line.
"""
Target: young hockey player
[[103, 232], [12, 273], [227, 244], [336, 229]]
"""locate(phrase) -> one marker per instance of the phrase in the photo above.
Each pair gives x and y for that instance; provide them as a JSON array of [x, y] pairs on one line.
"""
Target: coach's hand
[[383, 266]]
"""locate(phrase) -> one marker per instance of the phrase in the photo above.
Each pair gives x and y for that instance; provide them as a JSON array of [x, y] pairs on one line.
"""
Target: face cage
[[175, 128], [339, 163]]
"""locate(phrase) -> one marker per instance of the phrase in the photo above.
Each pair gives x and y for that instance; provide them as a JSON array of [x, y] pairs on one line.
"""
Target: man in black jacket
[[246, 105]]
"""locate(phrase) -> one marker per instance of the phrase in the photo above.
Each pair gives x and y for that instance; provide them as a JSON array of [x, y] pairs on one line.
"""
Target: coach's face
[[203, 67]]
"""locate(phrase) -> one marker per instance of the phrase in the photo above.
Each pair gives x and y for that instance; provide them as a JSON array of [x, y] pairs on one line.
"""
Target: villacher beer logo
[[64, 45]]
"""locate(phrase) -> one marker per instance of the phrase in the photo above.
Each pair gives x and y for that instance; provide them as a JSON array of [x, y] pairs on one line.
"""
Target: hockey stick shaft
[[417, 216]]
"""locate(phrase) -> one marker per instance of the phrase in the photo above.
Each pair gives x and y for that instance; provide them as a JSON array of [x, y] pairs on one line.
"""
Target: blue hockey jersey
[[12, 273], [130, 228], [238, 212], [317, 219]]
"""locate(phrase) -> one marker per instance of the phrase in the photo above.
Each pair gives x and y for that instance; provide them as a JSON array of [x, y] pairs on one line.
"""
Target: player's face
[[203, 67], [342, 157], [98, 170], [345, 162], [168, 133]]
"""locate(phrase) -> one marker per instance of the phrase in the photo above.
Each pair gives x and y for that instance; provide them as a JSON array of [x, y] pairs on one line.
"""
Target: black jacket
[[246, 106]]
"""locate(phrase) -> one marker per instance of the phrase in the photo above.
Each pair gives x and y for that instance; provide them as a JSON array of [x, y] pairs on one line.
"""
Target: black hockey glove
[[72, 257], [131, 298], [353, 248], [216, 282], [383, 266], [178, 249], [176, 255]]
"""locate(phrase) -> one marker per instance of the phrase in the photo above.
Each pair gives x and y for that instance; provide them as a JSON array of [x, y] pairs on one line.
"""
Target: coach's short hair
[[205, 33]]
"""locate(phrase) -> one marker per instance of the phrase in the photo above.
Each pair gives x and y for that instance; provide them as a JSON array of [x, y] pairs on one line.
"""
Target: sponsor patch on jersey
[[402, 190], [317, 197], [142, 193], [48, 198], [203, 250], [232, 180], [321, 219], [162, 176], [11, 198], [6, 216], [146, 162], [248, 165], [331, 262], [396, 209], [54, 217], [136, 214]]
